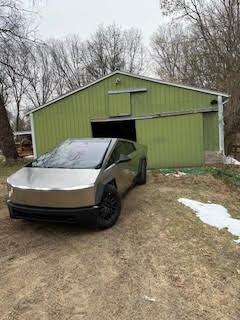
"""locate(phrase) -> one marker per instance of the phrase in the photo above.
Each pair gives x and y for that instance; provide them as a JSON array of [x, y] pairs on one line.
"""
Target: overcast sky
[[63, 17]]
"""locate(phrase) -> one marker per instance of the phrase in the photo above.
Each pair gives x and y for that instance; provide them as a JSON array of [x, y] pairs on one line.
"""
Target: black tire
[[142, 178], [110, 207]]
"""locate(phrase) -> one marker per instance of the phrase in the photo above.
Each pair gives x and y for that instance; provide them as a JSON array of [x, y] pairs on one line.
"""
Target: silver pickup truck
[[78, 178]]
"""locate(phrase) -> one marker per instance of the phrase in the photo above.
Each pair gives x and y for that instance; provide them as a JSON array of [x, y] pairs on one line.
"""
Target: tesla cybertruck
[[78, 178]]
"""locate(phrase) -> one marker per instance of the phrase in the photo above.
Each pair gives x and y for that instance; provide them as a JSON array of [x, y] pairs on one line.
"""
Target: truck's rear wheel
[[142, 178], [110, 207]]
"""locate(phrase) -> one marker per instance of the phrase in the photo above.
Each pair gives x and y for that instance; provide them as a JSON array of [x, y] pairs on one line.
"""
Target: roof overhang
[[217, 93]]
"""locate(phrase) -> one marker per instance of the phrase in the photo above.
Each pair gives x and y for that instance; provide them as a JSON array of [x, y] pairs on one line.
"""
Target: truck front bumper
[[66, 215]]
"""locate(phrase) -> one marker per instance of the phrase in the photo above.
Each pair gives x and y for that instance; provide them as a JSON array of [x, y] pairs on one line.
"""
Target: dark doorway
[[115, 129]]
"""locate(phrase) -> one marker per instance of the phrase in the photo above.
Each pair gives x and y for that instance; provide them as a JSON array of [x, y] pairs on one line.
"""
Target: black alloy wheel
[[110, 207], [142, 178]]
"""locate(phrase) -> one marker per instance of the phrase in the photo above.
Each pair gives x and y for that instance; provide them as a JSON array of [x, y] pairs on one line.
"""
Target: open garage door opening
[[114, 129]]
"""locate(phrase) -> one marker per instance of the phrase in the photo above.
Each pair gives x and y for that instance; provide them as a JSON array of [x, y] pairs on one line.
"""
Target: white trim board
[[127, 91], [21, 133], [156, 115], [33, 136], [220, 124], [134, 76]]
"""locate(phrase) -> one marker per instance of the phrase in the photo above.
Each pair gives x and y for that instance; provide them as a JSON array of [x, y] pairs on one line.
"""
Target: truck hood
[[53, 178]]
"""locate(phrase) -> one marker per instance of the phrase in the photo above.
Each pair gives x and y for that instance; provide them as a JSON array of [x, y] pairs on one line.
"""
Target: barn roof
[[135, 76]]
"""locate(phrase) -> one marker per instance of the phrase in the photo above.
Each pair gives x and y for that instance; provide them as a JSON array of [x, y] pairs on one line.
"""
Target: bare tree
[[14, 31], [210, 49], [76, 62], [135, 53], [168, 46], [67, 63], [7, 144], [110, 48], [14, 26], [17, 76], [179, 56], [40, 76]]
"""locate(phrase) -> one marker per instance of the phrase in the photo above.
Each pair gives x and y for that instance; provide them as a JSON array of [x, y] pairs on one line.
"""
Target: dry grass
[[6, 169], [159, 248]]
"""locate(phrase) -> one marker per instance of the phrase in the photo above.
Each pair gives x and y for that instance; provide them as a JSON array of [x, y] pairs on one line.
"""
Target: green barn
[[181, 125]]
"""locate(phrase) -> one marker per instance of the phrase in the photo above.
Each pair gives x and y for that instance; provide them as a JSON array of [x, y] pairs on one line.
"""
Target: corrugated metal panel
[[172, 142], [210, 131], [70, 117], [168, 99], [119, 104]]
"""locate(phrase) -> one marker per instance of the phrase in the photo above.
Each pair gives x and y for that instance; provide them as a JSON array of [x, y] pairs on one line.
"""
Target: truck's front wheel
[[110, 207]]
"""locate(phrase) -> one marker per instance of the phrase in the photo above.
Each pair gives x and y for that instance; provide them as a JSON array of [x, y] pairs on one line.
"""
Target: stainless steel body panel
[[72, 188], [54, 199], [47, 187], [53, 178], [123, 173]]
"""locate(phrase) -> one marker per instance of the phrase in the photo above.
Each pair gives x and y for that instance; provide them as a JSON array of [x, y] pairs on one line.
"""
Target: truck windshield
[[74, 154]]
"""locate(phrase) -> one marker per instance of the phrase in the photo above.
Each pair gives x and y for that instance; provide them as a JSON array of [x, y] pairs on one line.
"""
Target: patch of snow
[[231, 160], [177, 174], [149, 299], [215, 215]]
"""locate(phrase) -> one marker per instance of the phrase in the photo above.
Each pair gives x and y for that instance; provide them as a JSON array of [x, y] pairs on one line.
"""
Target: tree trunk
[[17, 117], [7, 143]]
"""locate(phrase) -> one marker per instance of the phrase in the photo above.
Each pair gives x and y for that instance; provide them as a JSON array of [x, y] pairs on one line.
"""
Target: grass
[[227, 173], [6, 169], [9, 167]]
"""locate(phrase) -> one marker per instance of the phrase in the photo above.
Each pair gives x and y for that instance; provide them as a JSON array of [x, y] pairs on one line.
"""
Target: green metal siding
[[173, 141], [71, 116], [210, 131], [60, 122], [119, 104]]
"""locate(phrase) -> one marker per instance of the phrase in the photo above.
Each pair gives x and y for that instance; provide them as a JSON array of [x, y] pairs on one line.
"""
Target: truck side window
[[129, 147], [122, 147]]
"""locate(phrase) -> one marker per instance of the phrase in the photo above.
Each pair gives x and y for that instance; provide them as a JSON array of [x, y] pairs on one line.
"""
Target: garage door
[[172, 141]]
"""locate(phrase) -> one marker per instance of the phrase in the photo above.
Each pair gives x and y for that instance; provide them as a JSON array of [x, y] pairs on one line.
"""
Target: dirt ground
[[158, 249]]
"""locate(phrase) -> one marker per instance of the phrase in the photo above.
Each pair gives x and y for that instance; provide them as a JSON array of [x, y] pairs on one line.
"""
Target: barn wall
[[70, 117], [172, 141], [119, 104], [210, 131]]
